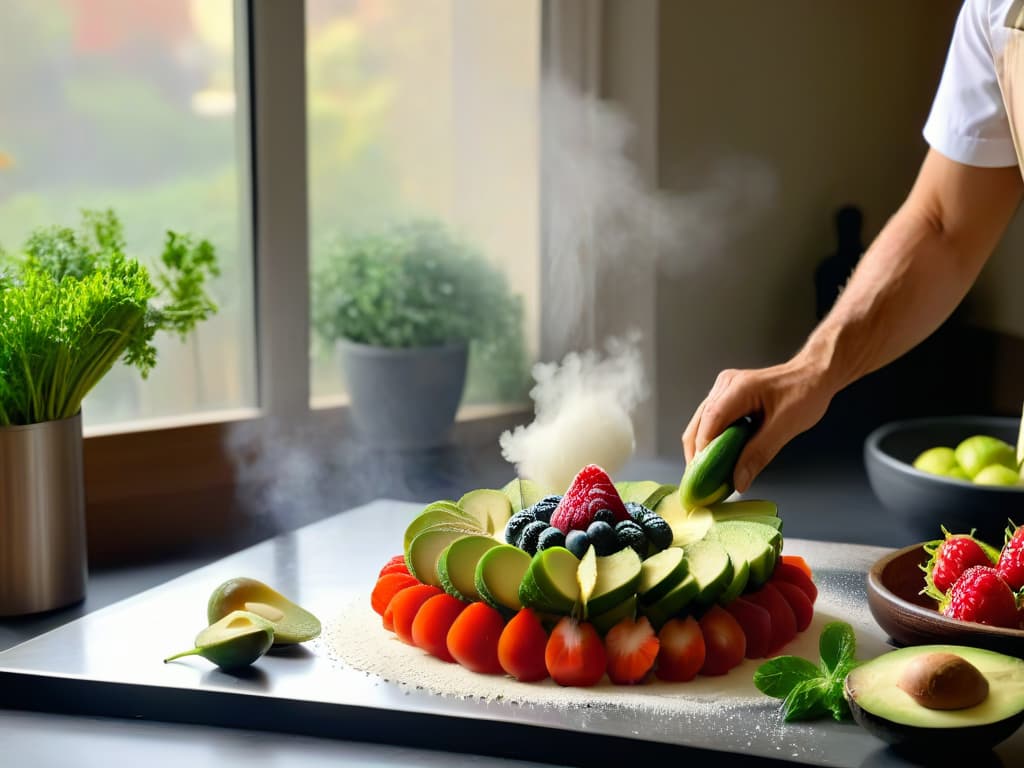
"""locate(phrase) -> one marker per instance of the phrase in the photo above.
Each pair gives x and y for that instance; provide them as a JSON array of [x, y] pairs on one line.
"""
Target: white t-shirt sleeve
[[968, 121]]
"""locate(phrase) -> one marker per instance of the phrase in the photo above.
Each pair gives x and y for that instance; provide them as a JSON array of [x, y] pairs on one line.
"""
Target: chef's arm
[[912, 277]]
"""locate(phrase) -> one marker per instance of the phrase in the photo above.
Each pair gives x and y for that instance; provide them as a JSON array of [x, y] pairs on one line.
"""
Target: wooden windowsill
[[172, 487]]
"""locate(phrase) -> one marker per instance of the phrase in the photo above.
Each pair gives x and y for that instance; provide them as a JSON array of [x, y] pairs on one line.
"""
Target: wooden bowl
[[894, 585]]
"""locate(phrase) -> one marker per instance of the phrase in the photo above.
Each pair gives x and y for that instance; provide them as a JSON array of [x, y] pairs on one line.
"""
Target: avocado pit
[[943, 681]]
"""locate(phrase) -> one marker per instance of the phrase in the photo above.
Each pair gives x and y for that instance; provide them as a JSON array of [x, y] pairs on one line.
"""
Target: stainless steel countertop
[[109, 663]]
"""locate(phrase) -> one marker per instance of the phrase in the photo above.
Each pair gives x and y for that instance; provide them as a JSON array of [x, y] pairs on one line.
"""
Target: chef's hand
[[786, 400]]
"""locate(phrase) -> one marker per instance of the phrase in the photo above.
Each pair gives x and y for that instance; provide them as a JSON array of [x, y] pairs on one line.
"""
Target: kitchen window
[[268, 128]]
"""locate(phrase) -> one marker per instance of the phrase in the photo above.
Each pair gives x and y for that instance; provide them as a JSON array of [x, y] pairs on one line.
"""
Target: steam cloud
[[583, 410], [605, 224]]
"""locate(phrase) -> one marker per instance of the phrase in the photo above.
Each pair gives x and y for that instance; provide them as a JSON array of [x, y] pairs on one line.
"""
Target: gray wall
[[829, 99]]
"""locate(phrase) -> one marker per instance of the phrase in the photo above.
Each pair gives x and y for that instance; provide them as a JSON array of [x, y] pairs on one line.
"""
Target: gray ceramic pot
[[404, 398], [42, 517]]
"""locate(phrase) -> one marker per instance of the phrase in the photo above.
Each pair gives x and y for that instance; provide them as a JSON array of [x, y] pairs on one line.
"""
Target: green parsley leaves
[[811, 691], [73, 303]]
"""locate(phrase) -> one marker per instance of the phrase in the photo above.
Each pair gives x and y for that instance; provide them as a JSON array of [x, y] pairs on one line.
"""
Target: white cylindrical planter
[[42, 517]]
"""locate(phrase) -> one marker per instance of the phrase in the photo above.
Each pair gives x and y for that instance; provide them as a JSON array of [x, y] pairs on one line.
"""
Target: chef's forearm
[[917, 270]]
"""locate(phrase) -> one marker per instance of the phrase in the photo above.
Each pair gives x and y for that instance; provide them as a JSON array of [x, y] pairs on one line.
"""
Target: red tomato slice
[[473, 639], [796, 575], [521, 647], [798, 600], [433, 620], [390, 565], [757, 626], [724, 639], [798, 562], [783, 618], [387, 586], [405, 605], [575, 654], [681, 650]]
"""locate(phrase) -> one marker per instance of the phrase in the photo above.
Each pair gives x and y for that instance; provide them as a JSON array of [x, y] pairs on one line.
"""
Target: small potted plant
[[72, 303], [406, 308]]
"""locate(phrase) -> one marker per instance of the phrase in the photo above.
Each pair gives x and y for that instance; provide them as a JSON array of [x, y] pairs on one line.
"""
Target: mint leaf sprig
[[811, 691]]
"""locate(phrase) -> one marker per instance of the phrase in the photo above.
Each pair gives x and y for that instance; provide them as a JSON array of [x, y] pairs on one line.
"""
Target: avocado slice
[[457, 564], [882, 707], [491, 508], [523, 493], [290, 622]]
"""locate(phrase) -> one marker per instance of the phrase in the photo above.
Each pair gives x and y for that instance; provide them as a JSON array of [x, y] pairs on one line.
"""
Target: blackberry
[[630, 534], [638, 511], [542, 509], [602, 536], [577, 542], [604, 516], [658, 531], [551, 537], [517, 523], [530, 535]]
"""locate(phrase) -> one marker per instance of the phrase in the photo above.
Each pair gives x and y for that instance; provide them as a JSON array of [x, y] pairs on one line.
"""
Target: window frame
[[173, 482]]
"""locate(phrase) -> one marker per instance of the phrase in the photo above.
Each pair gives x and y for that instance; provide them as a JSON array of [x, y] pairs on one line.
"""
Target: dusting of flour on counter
[[356, 639]]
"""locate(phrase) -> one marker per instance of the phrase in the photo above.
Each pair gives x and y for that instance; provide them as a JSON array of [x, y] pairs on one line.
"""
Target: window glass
[[427, 110], [132, 106]]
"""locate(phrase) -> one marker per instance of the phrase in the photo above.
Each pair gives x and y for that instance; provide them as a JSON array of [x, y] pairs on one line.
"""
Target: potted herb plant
[[72, 303], [408, 307]]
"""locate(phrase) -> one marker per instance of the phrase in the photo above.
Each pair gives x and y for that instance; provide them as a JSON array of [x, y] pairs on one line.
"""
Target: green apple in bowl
[[997, 474], [940, 460], [980, 451]]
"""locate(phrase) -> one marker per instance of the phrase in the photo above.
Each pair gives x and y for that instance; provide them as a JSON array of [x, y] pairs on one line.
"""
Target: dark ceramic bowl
[[894, 596], [925, 501]]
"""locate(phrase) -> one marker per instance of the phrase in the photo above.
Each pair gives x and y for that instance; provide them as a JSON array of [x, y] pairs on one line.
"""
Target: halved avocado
[[291, 622], [882, 707]]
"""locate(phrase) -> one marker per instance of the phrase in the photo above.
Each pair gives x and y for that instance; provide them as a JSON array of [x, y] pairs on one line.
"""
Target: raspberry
[[591, 491]]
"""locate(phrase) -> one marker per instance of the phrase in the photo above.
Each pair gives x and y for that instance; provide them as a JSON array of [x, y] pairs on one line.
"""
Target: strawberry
[[591, 491], [951, 556], [1011, 559], [631, 647], [521, 647], [473, 638], [682, 651], [575, 654], [981, 595]]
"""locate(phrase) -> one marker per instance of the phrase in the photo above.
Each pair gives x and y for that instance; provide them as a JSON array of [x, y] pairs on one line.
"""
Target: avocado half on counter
[[938, 698]]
